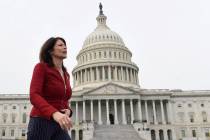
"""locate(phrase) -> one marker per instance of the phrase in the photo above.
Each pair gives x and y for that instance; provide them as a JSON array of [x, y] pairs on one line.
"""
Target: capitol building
[[108, 102]]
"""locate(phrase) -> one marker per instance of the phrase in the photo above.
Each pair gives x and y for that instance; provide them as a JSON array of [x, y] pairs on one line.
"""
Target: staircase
[[115, 132]]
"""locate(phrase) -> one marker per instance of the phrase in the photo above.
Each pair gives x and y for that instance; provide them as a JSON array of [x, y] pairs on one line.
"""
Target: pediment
[[110, 89]]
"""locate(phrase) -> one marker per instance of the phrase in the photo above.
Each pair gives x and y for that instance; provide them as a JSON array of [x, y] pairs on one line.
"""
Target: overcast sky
[[170, 40]]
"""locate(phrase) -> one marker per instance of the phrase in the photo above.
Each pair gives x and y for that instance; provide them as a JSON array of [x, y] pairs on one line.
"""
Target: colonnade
[[125, 109], [104, 73]]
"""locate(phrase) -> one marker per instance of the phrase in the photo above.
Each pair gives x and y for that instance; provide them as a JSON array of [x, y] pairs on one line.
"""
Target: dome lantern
[[101, 18]]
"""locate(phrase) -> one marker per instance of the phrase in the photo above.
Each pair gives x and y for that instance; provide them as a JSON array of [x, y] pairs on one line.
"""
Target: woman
[[49, 94]]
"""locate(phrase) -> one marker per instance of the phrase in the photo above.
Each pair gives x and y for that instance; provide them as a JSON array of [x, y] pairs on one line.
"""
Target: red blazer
[[47, 91]]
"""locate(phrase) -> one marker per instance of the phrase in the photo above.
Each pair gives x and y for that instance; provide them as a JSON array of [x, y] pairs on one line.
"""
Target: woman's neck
[[57, 62]]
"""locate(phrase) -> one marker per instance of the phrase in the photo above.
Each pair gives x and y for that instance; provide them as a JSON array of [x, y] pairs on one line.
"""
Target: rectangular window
[[94, 55], [193, 133], [183, 133], [5, 120], [99, 54], [104, 54], [23, 133], [3, 132], [207, 134], [24, 118], [12, 132], [13, 119]]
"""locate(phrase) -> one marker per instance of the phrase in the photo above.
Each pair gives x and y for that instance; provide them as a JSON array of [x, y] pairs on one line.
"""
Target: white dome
[[104, 58], [102, 34]]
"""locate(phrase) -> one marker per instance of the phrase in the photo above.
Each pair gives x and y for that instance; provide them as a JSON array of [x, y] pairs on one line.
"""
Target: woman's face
[[59, 50]]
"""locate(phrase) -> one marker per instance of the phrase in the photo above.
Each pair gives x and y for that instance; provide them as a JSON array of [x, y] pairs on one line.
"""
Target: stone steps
[[115, 132]]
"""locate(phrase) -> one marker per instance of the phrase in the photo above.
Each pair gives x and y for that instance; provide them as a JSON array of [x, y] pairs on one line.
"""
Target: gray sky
[[170, 40]]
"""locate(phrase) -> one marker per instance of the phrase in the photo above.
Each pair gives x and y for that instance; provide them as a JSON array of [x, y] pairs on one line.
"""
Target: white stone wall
[[179, 129]]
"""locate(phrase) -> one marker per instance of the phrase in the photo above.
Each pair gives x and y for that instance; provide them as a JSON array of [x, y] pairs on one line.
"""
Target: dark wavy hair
[[47, 47]]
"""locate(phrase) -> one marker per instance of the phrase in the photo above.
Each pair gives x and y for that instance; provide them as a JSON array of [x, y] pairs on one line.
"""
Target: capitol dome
[[103, 34], [104, 58]]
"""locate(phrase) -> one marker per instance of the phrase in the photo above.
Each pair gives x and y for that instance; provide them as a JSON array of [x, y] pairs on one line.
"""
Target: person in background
[[50, 91]]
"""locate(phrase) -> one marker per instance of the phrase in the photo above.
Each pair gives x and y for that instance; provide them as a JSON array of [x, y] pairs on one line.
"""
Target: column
[[97, 73], [154, 111], [76, 74], [115, 112], [139, 110], [157, 136], [99, 112], [109, 73], [132, 115], [77, 120], [123, 112], [82, 81], [137, 77], [115, 73], [107, 112], [165, 135], [103, 73], [91, 110], [91, 74], [74, 79], [127, 74], [173, 134], [162, 112], [131, 74], [84, 111], [170, 112], [122, 76], [134, 76], [86, 77], [146, 111], [76, 134], [80, 76]]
